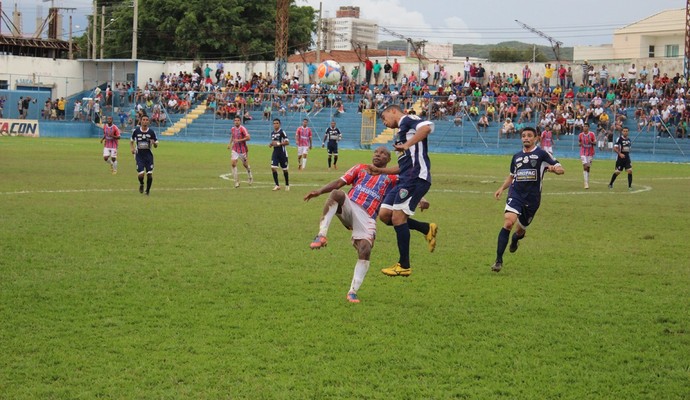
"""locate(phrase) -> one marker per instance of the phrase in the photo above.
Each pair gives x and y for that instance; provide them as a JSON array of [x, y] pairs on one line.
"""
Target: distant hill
[[483, 50]]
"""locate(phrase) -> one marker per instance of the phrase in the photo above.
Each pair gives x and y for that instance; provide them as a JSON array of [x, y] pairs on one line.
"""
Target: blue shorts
[[279, 159], [406, 195], [524, 210], [144, 162]]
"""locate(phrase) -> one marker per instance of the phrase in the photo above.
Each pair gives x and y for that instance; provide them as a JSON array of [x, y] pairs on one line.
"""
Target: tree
[[209, 29]]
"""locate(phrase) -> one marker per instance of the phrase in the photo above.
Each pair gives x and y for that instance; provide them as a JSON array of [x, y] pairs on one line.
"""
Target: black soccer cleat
[[497, 266], [141, 188]]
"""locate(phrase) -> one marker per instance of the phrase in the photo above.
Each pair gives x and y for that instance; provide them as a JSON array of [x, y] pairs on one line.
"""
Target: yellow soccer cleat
[[431, 236], [397, 270]]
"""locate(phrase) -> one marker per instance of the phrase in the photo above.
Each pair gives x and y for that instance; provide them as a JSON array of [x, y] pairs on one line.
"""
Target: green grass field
[[204, 291]]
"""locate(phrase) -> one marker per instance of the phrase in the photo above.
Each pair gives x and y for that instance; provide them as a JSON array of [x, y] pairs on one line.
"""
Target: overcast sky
[[573, 22]]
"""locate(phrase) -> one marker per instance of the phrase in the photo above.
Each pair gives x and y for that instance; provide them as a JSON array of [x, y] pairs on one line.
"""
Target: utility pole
[[102, 30], [135, 29], [686, 67], [71, 52], [94, 23], [319, 32], [281, 45]]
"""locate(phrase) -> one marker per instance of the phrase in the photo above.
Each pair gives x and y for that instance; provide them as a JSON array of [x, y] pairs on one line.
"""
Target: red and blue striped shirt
[[368, 190]]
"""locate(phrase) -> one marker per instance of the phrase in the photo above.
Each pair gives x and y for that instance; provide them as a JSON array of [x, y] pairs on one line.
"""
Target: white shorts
[[600, 144], [549, 149], [610, 145], [586, 160], [302, 150], [109, 152], [355, 217], [241, 156]]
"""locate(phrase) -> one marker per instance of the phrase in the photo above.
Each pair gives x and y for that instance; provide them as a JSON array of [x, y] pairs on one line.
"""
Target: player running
[[527, 169], [111, 137], [142, 140], [622, 149]]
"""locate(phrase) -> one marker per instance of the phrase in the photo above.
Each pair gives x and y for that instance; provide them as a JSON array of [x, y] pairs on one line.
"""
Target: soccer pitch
[[204, 291]]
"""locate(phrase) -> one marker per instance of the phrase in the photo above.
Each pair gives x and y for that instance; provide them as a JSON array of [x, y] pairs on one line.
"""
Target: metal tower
[[555, 44], [686, 67], [281, 47]]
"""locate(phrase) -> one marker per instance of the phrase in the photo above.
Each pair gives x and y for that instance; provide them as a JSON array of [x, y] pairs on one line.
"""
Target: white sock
[[110, 161], [304, 162], [115, 165], [249, 172], [326, 219], [234, 174], [361, 269], [586, 175]]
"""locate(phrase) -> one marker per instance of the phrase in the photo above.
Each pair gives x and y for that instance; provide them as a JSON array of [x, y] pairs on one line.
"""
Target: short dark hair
[[276, 120], [531, 129]]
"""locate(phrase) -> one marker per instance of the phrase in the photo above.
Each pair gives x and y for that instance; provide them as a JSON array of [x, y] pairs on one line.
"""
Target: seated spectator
[[508, 128], [267, 112], [483, 122]]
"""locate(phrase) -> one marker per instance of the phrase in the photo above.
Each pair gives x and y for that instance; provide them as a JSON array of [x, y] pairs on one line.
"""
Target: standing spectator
[[377, 72], [395, 70], [632, 75], [303, 138], [655, 72], [279, 140], [527, 170], [111, 137], [603, 77], [424, 75], [387, 67], [332, 136], [219, 71], [437, 72], [466, 68], [622, 149], [526, 75], [548, 73], [140, 144], [561, 75], [239, 136], [585, 72], [587, 141], [368, 69]]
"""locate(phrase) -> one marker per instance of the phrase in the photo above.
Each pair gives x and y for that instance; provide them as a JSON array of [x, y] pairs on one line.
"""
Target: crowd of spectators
[[553, 99]]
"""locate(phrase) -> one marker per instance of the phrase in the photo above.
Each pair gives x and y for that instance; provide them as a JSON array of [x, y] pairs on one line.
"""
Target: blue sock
[[418, 226], [503, 237], [403, 234]]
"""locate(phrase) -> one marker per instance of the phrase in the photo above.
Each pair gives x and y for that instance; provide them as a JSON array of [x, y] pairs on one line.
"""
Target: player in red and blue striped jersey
[[238, 145], [357, 211], [587, 141], [303, 137], [111, 137]]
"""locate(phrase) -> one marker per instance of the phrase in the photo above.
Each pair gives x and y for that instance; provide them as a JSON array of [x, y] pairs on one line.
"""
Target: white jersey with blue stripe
[[414, 162]]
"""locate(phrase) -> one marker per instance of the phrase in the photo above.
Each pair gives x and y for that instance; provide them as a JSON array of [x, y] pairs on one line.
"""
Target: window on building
[[4, 85], [671, 50], [651, 51]]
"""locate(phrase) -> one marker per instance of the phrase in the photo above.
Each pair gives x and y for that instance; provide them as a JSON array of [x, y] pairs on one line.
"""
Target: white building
[[661, 35], [347, 30]]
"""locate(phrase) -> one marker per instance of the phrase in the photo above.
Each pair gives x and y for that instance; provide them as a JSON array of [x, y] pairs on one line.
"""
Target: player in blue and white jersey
[[143, 138], [414, 172], [527, 169], [279, 158]]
